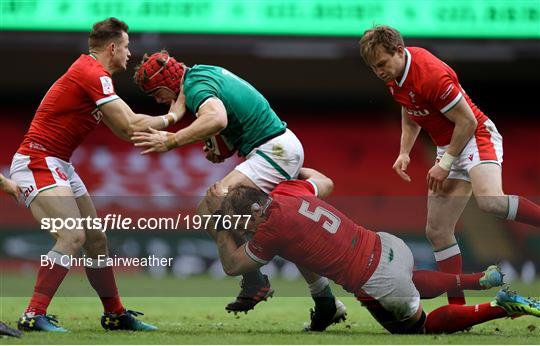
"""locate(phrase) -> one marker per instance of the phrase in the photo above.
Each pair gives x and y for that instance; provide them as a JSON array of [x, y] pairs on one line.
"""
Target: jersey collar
[[407, 67]]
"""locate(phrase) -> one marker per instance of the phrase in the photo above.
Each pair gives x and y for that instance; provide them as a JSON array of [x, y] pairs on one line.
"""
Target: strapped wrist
[[446, 161], [165, 121], [174, 116]]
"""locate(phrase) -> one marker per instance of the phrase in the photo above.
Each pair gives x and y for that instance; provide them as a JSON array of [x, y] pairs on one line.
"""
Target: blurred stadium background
[[303, 56]]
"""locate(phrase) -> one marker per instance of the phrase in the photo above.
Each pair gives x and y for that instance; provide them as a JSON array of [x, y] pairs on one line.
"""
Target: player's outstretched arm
[[325, 185], [10, 187], [212, 118], [119, 117]]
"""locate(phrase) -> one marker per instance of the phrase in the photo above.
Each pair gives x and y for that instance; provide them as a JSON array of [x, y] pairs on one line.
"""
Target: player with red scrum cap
[[228, 106]]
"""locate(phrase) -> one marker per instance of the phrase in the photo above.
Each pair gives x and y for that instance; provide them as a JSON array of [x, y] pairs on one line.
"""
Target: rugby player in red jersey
[[377, 268], [469, 147], [75, 104]]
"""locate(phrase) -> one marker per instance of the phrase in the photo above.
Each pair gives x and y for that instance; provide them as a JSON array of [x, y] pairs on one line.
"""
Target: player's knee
[[73, 241], [438, 236], [96, 243]]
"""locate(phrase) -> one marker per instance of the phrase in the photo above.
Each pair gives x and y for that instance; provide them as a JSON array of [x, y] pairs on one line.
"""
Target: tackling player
[[75, 104], [469, 147], [229, 106], [376, 267]]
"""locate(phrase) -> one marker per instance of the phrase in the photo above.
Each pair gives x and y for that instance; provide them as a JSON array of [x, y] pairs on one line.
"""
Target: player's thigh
[[236, 177], [486, 180], [445, 207], [96, 240], [57, 211], [390, 293], [277, 160], [487, 188], [56, 202]]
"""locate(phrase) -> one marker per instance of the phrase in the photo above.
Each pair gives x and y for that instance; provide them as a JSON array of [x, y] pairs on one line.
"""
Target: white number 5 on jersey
[[331, 225]]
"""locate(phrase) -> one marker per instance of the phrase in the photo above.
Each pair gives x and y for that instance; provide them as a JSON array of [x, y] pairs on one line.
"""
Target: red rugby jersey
[[69, 110], [428, 89], [306, 230]]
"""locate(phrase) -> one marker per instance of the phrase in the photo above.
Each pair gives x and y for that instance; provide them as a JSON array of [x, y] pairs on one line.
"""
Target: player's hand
[[215, 195], [179, 105], [210, 156], [400, 166], [154, 141], [436, 176], [11, 188]]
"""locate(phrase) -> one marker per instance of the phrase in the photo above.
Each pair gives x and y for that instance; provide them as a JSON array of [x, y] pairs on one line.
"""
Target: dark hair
[[105, 31], [380, 35], [240, 198]]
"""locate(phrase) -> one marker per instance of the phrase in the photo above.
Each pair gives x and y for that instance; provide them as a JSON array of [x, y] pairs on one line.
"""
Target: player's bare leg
[[328, 310], [487, 188], [444, 210], [59, 203], [101, 276]]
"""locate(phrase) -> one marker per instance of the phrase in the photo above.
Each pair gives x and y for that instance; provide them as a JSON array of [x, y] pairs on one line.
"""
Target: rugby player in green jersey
[[229, 107]]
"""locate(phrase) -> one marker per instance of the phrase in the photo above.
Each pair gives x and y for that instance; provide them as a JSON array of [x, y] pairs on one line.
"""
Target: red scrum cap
[[157, 71]]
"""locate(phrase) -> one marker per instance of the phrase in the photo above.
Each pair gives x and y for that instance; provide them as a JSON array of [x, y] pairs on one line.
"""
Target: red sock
[[432, 284], [454, 318], [102, 280], [527, 212], [47, 282], [449, 261]]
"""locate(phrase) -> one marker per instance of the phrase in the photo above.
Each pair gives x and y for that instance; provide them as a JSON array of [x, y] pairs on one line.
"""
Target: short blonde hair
[[380, 35]]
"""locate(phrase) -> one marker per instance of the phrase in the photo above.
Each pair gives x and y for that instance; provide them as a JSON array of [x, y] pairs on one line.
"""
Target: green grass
[[203, 320]]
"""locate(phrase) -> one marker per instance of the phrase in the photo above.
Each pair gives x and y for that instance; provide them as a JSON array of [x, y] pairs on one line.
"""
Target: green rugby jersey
[[251, 121]]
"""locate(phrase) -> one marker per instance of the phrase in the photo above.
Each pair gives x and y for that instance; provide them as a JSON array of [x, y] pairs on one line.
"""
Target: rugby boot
[[323, 318], [43, 323], [125, 321], [516, 305], [249, 296], [493, 277]]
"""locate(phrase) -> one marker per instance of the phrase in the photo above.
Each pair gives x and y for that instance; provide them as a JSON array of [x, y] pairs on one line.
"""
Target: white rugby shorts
[[36, 174], [275, 161], [391, 283], [486, 146]]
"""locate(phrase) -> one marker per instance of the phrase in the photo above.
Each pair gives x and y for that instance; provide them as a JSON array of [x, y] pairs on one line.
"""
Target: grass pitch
[[203, 320]]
